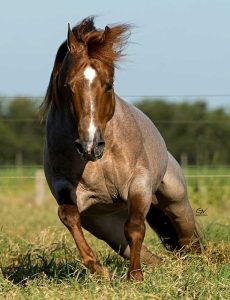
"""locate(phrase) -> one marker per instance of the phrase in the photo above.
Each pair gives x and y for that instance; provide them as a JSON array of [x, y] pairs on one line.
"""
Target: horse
[[105, 162]]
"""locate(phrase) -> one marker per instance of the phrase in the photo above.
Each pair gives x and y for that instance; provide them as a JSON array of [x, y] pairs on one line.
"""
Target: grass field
[[39, 260]]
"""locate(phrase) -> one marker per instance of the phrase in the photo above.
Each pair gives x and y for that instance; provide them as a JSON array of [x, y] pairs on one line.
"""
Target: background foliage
[[21, 132], [192, 130], [193, 133]]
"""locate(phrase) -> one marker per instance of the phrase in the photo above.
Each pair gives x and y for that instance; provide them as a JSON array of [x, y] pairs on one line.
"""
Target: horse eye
[[68, 88], [108, 87]]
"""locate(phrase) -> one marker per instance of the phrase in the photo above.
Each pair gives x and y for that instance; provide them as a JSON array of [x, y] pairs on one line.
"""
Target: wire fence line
[[198, 96], [187, 176], [17, 120], [208, 176], [13, 180], [189, 166]]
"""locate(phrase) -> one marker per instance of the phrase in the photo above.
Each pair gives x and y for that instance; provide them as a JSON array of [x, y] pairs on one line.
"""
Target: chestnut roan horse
[[105, 162]]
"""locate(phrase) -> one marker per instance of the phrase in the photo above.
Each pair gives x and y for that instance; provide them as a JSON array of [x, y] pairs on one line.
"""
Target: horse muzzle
[[90, 151]]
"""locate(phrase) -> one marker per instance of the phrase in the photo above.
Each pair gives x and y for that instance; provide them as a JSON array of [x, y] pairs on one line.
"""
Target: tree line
[[194, 134]]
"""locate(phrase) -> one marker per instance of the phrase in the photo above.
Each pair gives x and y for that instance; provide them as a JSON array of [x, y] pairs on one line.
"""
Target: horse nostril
[[79, 147], [101, 144], [87, 150], [99, 148]]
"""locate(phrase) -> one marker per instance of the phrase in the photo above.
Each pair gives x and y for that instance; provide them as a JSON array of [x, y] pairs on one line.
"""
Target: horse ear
[[72, 42], [106, 33]]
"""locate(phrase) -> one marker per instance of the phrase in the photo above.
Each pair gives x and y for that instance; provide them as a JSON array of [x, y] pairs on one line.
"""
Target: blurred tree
[[191, 130], [21, 133]]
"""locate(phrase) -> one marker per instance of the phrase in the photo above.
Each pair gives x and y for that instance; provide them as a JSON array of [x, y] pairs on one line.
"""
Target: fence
[[30, 180]]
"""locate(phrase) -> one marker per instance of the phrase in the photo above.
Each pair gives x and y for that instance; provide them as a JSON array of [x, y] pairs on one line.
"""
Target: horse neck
[[115, 124]]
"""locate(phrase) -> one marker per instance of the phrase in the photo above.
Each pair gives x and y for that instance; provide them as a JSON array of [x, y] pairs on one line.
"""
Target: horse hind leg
[[162, 225], [175, 230], [173, 219]]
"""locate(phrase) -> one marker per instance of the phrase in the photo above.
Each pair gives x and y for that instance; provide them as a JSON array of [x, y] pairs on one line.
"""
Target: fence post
[[184, 160], [39, 187]]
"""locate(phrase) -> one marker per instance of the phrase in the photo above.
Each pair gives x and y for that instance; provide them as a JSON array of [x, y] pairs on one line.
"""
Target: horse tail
[[164, 228]]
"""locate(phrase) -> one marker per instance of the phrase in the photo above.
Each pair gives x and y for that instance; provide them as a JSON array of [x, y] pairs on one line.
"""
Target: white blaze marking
[[91, 130], [90, 75]]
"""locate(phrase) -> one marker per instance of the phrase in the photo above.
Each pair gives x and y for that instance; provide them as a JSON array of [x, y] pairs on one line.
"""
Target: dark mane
[[104, 45], [84, 27]]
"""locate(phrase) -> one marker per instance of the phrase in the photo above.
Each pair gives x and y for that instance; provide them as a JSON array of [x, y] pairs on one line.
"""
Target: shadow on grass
[[33, 265], [56, 264]]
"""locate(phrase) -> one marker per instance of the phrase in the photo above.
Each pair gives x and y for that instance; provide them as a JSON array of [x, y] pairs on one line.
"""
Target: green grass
[[39, 260]]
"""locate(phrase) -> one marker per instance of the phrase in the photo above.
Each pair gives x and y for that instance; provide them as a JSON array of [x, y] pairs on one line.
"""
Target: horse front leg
[[139, 199], [70, 217]]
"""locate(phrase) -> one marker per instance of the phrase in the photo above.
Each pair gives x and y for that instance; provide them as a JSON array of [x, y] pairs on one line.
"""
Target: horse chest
[[99, 185]]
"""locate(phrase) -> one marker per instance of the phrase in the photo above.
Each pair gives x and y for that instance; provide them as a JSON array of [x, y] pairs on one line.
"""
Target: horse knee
[[134, 230]]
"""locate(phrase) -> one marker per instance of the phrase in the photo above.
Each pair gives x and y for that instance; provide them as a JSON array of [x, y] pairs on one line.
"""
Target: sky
[[176, 48]]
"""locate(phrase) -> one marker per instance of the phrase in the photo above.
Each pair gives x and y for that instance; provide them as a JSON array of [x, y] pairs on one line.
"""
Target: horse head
[[86, 81]]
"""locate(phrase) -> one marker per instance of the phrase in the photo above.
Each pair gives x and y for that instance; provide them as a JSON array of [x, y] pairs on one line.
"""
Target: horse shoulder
[[142, 139]]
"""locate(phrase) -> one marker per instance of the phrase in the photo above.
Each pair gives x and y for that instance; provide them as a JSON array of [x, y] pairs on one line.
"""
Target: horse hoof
[[154, 261], [135, 275], [193, 246], [101, 271], [105, 274], [149, 258]]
